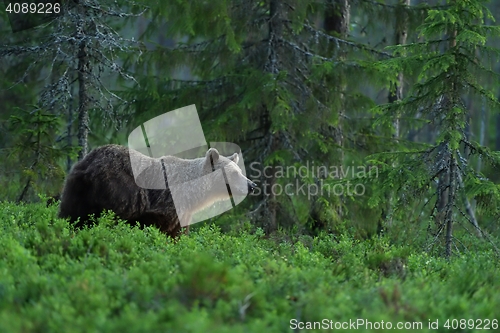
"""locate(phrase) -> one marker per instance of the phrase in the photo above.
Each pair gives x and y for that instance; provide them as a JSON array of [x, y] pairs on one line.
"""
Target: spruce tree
[[434, 180], [79, 47], [70, 64]]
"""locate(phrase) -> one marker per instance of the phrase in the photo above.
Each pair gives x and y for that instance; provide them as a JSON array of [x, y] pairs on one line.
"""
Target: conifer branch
[[341, 41]]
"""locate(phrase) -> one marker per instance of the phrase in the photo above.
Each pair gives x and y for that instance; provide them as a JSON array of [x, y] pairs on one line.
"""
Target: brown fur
[[104, 180]]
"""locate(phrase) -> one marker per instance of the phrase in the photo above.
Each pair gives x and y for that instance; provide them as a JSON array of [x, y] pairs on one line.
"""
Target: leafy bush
[[116, 278]]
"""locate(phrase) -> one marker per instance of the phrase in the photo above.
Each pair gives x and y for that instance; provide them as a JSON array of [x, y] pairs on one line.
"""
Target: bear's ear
[[212, 157], [235, 158]]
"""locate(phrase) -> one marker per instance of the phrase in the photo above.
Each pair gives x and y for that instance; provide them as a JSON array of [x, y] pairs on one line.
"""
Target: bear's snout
[[251, 186]]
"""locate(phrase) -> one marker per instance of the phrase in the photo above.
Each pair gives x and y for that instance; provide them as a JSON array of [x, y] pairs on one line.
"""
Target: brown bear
[[104, 180]]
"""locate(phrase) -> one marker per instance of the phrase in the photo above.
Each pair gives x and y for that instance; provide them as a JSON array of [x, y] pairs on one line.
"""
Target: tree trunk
[[273, 67], [396, 94], [271, 221], [442, 163], [37, 156], [337, 17], [451, 169], [482, 130], [336, 21], [69, 138], [83, 98], [449, 206], [400, 36]]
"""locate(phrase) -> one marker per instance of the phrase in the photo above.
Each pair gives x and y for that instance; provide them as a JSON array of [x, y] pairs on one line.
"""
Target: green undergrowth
[[114, 278]]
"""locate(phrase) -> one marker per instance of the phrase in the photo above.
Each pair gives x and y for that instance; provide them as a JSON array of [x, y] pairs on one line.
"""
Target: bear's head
[[233, 176]]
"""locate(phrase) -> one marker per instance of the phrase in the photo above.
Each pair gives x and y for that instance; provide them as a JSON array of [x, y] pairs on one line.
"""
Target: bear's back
[[103, 180]]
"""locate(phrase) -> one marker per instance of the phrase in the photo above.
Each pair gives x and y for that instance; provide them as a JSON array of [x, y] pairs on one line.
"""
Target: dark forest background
[[407, 87]]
